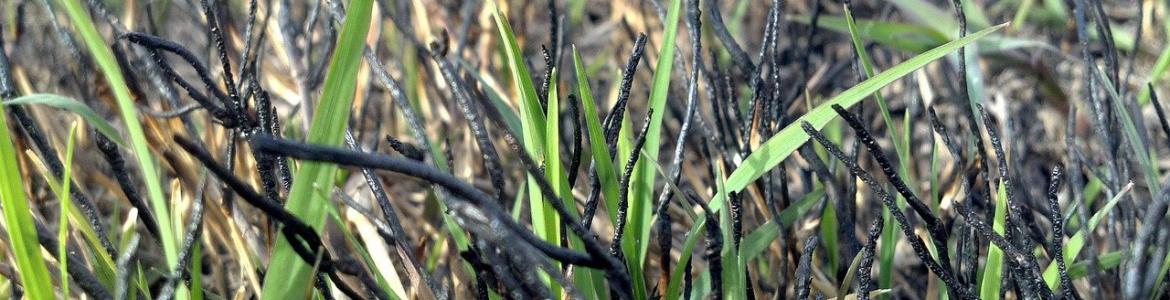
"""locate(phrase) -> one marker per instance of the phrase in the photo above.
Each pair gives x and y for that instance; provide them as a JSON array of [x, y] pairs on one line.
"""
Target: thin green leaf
[[993, 270], [642, 187], [74, 106], [150, 173], [22, 236], [780, 146], [600, 151], [288, 274]]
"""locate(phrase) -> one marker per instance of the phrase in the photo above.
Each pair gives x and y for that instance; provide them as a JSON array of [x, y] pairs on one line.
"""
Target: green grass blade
[[1077, 242], [63, 218], [758, 240], [532, 122], [993, 270], [642, 186], [18, 219], [780, 146], [288, 274], [600, 151], [74, 106], [104, 57]]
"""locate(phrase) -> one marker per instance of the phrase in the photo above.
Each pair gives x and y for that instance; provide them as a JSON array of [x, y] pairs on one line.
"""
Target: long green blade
[[22, 236], [288, 276], [780, 146], [642, 186], [74, 106], [150, 174]]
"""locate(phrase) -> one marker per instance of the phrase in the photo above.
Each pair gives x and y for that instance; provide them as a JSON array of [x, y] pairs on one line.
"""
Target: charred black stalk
[[118, 165], [624, 185], [81, 275], [915, 242], [1030, 270], [1014, 221], [980, 155], [804, 268], [1158, 109], [578, 146], [302, 238], [938, 232], [154, 44], [546, 81], [615, 269], [49, 155], [401, 240], [491, 159], [713, 252], [407, 150], [427, 173], [1067, 290], [738, 55], [613, 122], [663, 225], [236, 105], [867, 254]]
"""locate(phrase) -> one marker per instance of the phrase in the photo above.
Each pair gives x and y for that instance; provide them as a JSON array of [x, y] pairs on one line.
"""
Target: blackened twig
[[613, 122], [1067, 290], [401, 240], [491, 159], [804, 268], [938, 232], [867, 254], [740, 57], [624, 185], [118, 165], [915, 242]]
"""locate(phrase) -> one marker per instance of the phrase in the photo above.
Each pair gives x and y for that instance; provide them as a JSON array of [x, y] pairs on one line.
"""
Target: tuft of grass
[[22, 235], [287, 274], [84, 26]]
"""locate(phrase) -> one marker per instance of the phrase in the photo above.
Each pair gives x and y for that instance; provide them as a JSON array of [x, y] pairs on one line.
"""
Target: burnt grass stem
[[491, 159], [624, 185], [401, 240], [804, 267], [117, 164], [956, 288], [867, 254], [596, 258], [938, 232], [302, 238], [1066, 288]]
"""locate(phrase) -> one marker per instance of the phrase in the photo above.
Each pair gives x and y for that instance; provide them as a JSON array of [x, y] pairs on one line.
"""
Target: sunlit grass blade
[[18, 221], [63, 217], [532, 123], [600, 151], [288, 274], [780, 146], [74, 106], [108, 65], [993, 271], [758, 240], [642, 189]]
